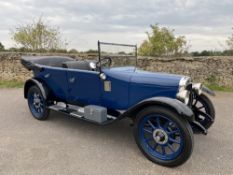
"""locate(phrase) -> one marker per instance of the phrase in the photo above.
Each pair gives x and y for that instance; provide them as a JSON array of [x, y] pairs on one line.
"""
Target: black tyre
[[163, 136], [37, 103], [204, 112]]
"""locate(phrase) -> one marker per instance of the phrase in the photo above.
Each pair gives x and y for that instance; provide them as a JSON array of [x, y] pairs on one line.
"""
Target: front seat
[[83, 65]]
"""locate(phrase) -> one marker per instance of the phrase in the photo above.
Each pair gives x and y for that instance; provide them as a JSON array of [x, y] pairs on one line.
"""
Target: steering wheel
[[106, 60]]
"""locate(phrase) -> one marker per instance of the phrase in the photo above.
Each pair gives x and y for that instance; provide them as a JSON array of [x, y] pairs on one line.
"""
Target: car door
[[83, 87]]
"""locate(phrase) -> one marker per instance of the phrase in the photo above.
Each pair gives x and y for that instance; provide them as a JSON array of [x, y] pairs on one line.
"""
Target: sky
[[206, 24]]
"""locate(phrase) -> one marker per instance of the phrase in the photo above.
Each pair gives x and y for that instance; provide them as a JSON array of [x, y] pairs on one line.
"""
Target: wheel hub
[[36, 101], [160, 136]]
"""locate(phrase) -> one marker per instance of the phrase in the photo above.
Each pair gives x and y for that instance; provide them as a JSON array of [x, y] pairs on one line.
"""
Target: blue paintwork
[[165, 151], [56, 80], [85, 88], [128, 85]]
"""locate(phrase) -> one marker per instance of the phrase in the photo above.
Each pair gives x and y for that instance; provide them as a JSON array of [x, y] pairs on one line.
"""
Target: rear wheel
[[163, 137], [37, 103]]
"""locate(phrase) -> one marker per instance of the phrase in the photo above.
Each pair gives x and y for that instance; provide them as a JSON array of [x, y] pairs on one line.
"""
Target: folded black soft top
[[32, 62]]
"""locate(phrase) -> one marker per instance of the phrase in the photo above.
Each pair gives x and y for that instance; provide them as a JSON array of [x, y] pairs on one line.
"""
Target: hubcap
[[37, 102], [160, 136]]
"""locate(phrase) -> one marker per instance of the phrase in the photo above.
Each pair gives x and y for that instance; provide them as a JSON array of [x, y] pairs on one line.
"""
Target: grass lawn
[[220, 88], [11, 84]]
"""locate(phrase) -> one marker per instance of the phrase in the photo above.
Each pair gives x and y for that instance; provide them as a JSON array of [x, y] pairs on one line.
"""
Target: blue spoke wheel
[[37, 103], [163, 136]]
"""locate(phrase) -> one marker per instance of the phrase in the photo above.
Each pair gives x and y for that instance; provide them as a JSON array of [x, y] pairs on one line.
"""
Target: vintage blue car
[[166, 109]]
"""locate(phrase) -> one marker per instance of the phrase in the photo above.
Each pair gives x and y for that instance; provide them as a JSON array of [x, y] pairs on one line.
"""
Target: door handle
[[72, 79], [47, 75]]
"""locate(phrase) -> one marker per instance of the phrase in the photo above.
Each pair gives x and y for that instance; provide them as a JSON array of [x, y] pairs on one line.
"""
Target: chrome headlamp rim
[[184, 94], [184, 81]]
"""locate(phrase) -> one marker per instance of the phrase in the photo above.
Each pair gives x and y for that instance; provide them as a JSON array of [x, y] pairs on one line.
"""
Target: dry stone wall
[[213, 70]]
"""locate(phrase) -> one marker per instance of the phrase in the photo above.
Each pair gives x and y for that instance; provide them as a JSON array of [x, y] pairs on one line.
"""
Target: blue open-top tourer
[[166, 109]]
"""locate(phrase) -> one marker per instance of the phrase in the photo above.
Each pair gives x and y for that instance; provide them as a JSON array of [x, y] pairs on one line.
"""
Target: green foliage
[[212, 80], [212, 53], [73, 51], [162, 41], [220, 88], [38, 36], [227, 53], [57, 51], [229, 42], [11, 84], [92, 51], [2, 47]]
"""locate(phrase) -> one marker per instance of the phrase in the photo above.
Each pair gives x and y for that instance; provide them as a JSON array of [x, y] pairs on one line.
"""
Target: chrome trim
[[103, 76], [183, 94], [184, 81], [198, 88], [92, 65]]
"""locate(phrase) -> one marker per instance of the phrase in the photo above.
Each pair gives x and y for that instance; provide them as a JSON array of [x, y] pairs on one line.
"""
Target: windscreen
[[122, 55]]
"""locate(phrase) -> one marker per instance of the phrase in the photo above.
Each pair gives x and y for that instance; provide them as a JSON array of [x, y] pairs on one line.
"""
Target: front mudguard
[[183, 110]]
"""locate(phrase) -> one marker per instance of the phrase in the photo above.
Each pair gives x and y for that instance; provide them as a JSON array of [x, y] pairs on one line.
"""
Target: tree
[[38, 36], [2, 47], [162, 41], [230, 42], [73, 51]]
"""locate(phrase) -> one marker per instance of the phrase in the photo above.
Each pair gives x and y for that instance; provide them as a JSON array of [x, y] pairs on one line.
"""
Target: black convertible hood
[[32, 62]]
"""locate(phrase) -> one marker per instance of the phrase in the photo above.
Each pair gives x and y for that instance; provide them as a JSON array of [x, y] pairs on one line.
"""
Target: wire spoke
[[158, 122], [171, 148], [174, 141], [205, 115], [146, 130], [173, 132], [195, 103], [151, 124], [163, 150], [165, 126], [201, 107]]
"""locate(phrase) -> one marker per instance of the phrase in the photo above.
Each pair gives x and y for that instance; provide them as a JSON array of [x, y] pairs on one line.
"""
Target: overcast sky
[[205, 23]]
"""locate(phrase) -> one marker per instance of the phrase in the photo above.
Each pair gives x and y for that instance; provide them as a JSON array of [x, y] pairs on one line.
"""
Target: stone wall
[[212, 70]]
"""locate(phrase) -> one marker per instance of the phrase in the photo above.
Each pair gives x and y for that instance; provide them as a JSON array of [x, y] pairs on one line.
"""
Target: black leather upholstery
[[83, 65]]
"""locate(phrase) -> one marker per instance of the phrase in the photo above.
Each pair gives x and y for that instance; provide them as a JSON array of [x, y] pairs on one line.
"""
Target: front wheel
[[163, 136], [37, 103], [204, 111]]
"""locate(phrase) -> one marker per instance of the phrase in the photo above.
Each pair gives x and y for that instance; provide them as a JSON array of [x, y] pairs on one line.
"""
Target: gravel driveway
[[63, 145]]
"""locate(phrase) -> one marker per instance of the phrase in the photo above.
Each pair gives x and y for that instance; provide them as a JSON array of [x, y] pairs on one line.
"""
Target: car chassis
[[166, 109]]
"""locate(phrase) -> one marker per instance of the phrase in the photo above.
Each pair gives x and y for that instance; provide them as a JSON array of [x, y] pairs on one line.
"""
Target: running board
[[78, 112]]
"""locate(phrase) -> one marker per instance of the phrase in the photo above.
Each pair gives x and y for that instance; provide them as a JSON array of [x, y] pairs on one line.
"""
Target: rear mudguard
[[35, 82], [173, 104]]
